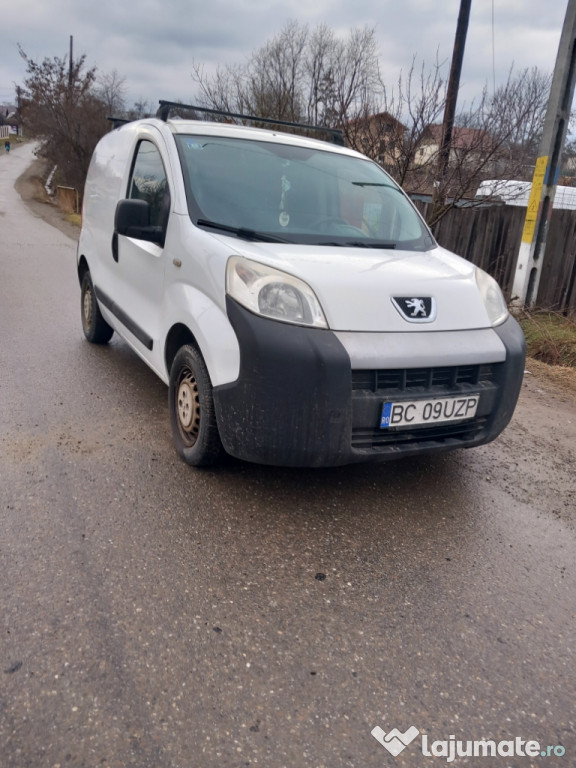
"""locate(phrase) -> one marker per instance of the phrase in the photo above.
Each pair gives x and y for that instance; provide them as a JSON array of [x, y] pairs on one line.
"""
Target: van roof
[[177, 125]]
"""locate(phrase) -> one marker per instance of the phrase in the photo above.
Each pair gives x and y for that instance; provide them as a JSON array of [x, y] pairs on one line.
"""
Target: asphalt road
[[157, 616]]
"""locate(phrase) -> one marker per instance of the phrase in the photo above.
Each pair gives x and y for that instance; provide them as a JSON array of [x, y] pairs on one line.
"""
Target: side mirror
[[132, 219]]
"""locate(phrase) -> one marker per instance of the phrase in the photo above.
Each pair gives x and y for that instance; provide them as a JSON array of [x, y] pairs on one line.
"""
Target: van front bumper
[[299, 402]]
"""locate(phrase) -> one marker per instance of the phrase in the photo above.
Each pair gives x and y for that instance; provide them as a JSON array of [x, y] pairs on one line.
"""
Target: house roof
[[462, 137], [378, 117]]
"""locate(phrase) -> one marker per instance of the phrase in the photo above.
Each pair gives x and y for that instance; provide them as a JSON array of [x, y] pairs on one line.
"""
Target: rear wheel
[[192, 413], [95, 328]]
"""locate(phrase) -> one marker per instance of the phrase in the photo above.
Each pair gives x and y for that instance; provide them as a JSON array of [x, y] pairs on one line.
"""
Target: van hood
[[359, 289]]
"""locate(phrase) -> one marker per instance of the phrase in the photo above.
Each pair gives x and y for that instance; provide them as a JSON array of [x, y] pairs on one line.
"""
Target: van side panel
[[105, 185]]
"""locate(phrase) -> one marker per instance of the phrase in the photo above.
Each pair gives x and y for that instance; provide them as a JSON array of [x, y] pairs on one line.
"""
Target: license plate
[[411, 413]]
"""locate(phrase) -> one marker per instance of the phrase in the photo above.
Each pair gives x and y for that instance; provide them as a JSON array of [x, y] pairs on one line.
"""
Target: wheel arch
[[193, 317], [178, 335], [82, 267]]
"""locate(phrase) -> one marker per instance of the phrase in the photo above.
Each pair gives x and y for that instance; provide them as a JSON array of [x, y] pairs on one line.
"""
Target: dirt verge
[[30, 187]]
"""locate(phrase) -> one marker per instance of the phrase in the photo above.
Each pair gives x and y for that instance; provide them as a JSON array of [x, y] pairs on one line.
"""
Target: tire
[[192, 413], [95, 328]]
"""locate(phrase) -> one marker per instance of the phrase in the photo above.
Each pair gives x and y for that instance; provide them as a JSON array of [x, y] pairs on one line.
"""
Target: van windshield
[[296, 194]]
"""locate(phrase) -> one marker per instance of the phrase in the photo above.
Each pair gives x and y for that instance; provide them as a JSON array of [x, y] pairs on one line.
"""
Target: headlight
[[269, 292], [492, 297]]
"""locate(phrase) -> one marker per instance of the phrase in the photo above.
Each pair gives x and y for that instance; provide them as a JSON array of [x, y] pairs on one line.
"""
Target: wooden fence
[[490, 238]]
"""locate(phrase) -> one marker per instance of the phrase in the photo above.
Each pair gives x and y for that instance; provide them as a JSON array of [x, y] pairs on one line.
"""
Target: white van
[[291, 297], [518, 193]]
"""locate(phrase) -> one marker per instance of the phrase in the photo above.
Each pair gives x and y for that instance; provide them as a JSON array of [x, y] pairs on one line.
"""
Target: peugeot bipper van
[[291, 297]]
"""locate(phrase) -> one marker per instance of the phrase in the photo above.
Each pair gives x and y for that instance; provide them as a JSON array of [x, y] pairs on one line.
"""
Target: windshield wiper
[[363, 244], [372, 244], [373, 184], [243, 232]]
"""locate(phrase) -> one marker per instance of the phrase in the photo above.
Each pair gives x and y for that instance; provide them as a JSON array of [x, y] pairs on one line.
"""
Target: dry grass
[[551, 348], [550, 337], [561, 377], [74, 218]]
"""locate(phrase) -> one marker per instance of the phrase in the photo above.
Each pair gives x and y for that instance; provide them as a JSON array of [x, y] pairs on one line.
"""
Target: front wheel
[[95, 328], [192, 413]]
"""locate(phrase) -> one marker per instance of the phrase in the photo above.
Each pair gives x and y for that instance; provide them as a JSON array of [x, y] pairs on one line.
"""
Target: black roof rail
[[117, 121], [335, 134]]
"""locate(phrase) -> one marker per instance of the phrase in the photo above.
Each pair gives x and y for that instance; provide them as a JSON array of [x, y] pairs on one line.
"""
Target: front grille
[[447, 434], [423, 379], [372, 388]]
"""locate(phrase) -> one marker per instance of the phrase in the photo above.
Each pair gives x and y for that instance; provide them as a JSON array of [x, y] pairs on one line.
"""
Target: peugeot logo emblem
[[416, 309]]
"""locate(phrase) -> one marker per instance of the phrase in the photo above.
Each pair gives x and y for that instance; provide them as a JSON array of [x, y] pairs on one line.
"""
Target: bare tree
[[495, 137], [139, 109], [111, 89], [275, 75], [60, 106], [356, 74], [394, 123], [516, 117], [268, 84], [499, 139], [221, 90], [299, 75], [321, 78]]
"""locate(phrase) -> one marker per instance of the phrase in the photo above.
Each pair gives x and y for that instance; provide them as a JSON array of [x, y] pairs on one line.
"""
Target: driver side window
[[149, 182]]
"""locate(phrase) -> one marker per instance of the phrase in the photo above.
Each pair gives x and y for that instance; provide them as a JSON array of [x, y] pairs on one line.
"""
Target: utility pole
[[536, 223], [451, 97], [453, 86], [19, 110], [71, 65]]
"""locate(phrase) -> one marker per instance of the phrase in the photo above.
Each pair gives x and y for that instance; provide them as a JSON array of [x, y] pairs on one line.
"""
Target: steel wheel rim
[[87, 306], [188, 407]]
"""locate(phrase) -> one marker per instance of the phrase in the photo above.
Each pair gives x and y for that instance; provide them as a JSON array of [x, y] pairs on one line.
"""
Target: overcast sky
[[153, 43]]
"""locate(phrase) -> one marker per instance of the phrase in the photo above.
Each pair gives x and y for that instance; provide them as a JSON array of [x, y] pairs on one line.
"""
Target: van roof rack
[[335, 134], [117, 121]]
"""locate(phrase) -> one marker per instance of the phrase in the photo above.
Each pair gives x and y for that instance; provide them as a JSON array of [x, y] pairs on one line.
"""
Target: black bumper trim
[[293, 403]]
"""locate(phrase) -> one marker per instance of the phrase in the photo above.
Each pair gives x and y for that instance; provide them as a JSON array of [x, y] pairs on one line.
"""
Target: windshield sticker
[[285, 187]]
